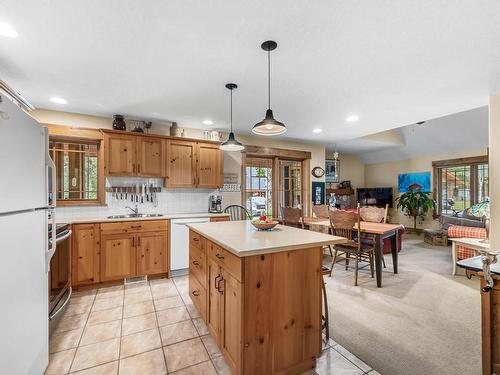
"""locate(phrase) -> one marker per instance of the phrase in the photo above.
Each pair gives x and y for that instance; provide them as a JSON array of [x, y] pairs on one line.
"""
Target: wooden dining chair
[[292, 217], [237, 212], [342, 224], [374, 215], [321, 211]]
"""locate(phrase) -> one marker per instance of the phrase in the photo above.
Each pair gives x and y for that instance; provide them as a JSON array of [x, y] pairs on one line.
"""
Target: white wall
[[352, 168]]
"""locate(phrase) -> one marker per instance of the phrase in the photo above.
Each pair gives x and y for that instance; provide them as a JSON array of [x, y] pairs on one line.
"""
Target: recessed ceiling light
[[58, 100], [317, 130], [7, 30], [208, 122], [352, 118]]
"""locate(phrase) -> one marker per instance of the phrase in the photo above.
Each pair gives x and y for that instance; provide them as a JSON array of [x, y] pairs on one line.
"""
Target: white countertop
[[243, 239], [100, 219]]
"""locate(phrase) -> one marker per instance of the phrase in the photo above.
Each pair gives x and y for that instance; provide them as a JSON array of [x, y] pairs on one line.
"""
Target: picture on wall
[[332, 170], [420, 181]]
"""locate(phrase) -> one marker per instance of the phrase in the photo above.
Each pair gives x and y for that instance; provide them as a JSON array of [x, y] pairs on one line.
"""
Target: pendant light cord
[[268, 78], [231, 117]]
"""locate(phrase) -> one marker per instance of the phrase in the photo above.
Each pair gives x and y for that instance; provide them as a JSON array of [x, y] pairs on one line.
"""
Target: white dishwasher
[[179, 242]]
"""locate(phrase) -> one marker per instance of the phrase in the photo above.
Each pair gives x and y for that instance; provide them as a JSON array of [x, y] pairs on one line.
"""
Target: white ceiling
[[457, 133], [392, 63]]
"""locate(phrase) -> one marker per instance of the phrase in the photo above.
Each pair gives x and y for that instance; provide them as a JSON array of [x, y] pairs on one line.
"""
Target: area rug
[[422, 321]]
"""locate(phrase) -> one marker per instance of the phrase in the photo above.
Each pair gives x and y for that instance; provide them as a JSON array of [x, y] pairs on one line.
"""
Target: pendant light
[[269, 126], [231, 144]]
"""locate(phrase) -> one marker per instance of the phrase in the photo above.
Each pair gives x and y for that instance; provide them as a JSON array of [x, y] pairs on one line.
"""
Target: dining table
[[380, 232]]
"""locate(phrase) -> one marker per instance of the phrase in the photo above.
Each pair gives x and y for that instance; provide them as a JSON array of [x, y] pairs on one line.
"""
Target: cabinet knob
[[196, 263], [218, 256], [196, 293]]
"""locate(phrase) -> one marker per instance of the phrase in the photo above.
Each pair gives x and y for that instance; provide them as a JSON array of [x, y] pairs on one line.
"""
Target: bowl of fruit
[[264, 223]]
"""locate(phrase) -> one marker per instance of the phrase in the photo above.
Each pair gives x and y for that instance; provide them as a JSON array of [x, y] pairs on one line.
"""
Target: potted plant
[[416, 204]]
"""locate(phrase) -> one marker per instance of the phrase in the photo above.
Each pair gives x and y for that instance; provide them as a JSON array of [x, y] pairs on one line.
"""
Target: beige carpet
[[422, 321]]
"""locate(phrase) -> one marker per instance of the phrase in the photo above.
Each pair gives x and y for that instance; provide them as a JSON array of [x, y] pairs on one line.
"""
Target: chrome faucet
[[134, 210]]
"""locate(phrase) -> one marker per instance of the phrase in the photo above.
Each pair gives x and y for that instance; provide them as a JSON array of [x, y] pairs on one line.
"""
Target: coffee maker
[[215, 204]]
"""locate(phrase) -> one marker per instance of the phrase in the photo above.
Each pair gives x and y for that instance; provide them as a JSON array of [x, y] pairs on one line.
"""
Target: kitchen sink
[[128, 216]]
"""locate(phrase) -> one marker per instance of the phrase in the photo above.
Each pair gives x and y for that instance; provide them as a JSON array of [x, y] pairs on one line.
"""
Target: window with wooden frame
[[275, 178], [460, 183], [79, 176]]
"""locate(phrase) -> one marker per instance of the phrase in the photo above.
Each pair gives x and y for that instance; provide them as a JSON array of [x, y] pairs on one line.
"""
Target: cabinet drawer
[[134, 226], [198, 265], [196, 240], [230, 262], [198, 295]]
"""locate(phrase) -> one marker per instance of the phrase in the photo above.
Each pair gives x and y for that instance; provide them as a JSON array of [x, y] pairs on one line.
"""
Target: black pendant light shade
[[231, 144], [269, 126]]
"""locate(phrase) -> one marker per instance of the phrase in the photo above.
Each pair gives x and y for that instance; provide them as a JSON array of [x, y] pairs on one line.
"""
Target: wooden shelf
[[346, 191]]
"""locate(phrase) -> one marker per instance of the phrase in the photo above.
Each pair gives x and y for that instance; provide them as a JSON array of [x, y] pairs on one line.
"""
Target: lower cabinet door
[[85, 254], [118, 256], [214, 300], [231, 316], [151, 253]]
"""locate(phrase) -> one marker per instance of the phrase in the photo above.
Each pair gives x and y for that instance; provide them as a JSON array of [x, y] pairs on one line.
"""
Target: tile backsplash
[[169, 201]]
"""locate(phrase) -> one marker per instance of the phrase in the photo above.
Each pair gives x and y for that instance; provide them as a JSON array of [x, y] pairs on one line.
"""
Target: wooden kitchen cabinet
[[118, 256], [151, 253], [181, 164], [134, 248], [133, 155], [214, 300], [119, 159], [149, 157], [231, 317], [85, 254], [209, 166]]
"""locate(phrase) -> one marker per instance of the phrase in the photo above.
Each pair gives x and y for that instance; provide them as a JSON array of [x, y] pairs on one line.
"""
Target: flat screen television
[[375, 196]]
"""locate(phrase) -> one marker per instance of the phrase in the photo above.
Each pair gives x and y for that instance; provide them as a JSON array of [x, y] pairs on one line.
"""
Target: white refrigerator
[[26, 210]]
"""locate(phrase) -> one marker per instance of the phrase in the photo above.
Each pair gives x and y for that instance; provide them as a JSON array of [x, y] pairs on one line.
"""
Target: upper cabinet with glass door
[[78, 177]]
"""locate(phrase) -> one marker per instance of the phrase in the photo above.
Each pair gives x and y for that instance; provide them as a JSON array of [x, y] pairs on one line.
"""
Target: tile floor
[[152, 329]]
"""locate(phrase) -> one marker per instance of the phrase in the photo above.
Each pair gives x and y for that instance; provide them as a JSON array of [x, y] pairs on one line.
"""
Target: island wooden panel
[[264, 311], [490, 316]]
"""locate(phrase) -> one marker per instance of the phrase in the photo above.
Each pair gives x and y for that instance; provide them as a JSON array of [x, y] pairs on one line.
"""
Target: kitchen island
[[259, 292]]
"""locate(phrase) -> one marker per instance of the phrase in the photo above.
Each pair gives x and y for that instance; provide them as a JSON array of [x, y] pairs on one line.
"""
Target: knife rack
[[130, 189]]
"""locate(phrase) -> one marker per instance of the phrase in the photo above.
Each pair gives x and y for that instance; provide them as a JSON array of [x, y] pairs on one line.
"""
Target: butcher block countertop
[[242, 239]]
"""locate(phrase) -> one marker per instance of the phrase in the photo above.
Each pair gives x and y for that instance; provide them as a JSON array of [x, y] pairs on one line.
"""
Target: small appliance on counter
[[215, 204]]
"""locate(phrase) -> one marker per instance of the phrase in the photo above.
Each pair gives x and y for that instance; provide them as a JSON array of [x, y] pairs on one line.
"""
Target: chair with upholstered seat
[[342, 224], [237, 212]]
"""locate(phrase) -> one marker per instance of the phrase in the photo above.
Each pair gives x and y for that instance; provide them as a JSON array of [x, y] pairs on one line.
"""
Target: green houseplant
[[415, 204]]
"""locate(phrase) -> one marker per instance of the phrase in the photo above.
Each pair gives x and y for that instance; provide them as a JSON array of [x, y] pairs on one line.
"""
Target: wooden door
[[120, 153], [118, 256], [151, 253], [231, 310], [150, 157], [214, 300], [181, 164], [85, 254], [209, 169]]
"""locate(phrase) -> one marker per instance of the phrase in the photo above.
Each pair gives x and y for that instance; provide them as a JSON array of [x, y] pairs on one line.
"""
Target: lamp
[[231, 144], [269, 126]]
